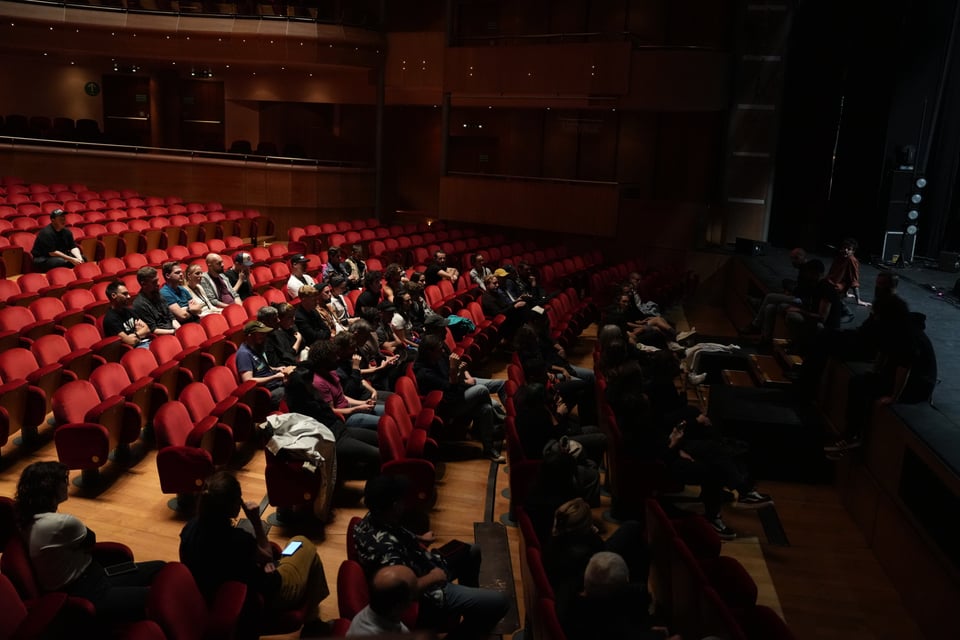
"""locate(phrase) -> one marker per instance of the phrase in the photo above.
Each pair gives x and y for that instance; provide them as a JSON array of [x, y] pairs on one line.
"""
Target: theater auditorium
[[475, 318]]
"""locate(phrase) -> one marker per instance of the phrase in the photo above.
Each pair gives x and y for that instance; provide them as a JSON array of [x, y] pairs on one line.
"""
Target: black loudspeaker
[[748, 247]]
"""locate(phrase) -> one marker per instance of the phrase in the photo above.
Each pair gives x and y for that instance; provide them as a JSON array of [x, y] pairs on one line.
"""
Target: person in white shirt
[[479, 270], [298, 275], [61, 549], [392, 591]]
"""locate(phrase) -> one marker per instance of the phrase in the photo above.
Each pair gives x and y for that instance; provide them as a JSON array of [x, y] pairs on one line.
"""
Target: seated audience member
[[150, 307], [284, 343], [543, 416], [495, 302], [60, 548], [402, 322], [480, 271], [369, 298], [358, 268], [774, 304], [216, 551], [419, 310], [527, 286], [215, 283], [298, 275], [349, 367], [54, 245], [335, 264], [323, 308], [376, 367], [338, 304], [239, 275], [464, 396], [904, 371], [611, 605], [668, 405], [193, 279], [358, 455], [640, 319], [392, 590], [310, 322], [559, 479], [252, 362], [707, 462], [383, 541], [575, 540], [820, 312], [507, 277], [394, 278], [355, 413], [119, 319], [438, 270], [574, 384], [182, 305]]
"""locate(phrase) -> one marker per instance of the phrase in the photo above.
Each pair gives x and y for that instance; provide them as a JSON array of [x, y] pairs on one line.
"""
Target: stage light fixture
[[911, 229], [921, 183], [916, 198], [913, 214]]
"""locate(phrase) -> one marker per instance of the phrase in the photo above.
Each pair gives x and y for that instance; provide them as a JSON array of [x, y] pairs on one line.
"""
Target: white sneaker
[[683, 335], [697, 378], [676, 347]]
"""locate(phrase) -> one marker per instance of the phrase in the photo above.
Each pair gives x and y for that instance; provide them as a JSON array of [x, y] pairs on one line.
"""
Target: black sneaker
[[725, 532], [753, 500]]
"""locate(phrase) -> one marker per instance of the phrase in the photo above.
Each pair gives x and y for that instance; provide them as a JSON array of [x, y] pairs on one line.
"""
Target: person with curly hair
[[61, 549]]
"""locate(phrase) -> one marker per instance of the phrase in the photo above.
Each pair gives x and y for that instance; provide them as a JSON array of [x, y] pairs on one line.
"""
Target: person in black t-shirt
[[370, 296], [54, 245], [119, 319], [239, 275], [817, 311], [438, 270]]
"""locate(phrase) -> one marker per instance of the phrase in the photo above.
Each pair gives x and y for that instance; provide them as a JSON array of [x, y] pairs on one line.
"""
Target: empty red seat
[[184, 457], [89, 427]]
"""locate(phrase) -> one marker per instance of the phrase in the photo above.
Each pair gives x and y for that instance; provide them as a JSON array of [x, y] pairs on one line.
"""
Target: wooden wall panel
[[415, 60], [560, 144], [411, 179], [557, 69], [703, 23], [636, 150], [566, 207], [684, 80]]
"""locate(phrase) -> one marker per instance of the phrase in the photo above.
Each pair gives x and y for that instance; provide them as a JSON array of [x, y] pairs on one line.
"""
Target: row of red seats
[[662, 285], [702, 592], [45, 203]]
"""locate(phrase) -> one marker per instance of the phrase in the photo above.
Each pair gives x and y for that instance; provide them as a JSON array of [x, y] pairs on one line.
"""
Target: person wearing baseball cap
[[298, 275], [252, 362], [54, 245], [239, 274]]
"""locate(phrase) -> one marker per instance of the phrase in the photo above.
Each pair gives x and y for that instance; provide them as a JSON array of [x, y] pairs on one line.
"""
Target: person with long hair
[[216, 551], [61, 549]]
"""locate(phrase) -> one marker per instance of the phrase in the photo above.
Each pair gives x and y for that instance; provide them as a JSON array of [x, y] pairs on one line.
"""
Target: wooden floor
[[826, 583]]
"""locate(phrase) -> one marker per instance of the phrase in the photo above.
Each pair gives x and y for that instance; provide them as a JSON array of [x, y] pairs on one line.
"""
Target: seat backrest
[[172, 425], [15, 318], [139, 363], [221, 382], [352, 592], [50, 348], [17, 364], [396, 408], [192, 334], [198, 400], [46, 308], [110, 379], [407, 390], [78, 298], [15, 565], [176, 604], [72, 401], [213, 325], [165, 348], [14, 611]]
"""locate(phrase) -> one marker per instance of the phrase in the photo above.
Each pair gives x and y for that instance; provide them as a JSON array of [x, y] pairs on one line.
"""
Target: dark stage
[[928, 291]]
